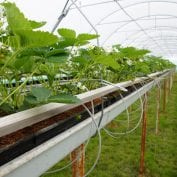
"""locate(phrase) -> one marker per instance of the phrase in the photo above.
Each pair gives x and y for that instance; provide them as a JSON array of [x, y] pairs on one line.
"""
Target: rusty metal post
[[78, 156], [143, 138], [169, 86], [157, 110], [165, 95], [171, 81]]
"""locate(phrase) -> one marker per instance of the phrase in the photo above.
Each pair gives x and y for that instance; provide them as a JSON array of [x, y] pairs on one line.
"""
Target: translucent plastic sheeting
[[150, 24]]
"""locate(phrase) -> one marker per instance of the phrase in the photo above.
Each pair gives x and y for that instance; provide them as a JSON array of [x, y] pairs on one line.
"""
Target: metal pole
[[165, 95], [143, 137], [78, 156], [157, 110], [169, 83]]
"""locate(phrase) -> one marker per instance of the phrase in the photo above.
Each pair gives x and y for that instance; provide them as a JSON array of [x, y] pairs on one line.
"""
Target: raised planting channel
[[67, 129]]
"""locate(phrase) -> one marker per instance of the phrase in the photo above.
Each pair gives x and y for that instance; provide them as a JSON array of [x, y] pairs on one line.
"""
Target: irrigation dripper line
[[100, 141], [136, 126], [127, 111], [99, 149], [110, 83]]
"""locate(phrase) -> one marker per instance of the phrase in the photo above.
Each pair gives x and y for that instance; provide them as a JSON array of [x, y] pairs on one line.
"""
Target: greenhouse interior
[[88, 88]]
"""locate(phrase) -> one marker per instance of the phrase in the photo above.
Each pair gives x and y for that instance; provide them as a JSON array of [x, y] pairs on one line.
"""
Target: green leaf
[[57, 52], [86, 37], [14, 41], [81, 43], [24, 64], [41, 93], [34, 52], [30, 99], [57, 59], [35, 24], [80, 60], [107, 61], [67, 42], [6, 107], [67, 33], [16, 19], [64, 98], [36, 38]]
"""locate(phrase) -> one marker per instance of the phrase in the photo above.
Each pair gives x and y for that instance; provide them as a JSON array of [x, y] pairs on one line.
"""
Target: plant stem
[[5, 99]]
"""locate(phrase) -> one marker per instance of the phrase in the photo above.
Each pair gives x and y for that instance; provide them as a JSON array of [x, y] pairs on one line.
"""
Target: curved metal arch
[[142, 19], [125, 24], [166, 39], [161, 52], [164, 46], [171, 47], [143, 38], [159, 1], [135, 4], [167, 42], [170, 29]]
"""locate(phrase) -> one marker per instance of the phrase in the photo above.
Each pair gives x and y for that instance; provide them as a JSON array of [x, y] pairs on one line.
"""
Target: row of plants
[[34, 63]]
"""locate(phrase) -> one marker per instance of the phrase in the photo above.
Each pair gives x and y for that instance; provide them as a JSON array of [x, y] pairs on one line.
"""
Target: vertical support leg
[[157, 111], [143, 138], [169, 86], [165, 95], [171, 81], [78, 165]]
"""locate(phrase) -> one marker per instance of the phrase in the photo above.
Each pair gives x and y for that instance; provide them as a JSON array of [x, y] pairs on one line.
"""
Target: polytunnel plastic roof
[[150, 24]]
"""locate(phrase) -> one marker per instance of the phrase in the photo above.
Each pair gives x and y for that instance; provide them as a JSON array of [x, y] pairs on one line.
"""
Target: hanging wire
[[86, 18], [99, 147], [112, 134]]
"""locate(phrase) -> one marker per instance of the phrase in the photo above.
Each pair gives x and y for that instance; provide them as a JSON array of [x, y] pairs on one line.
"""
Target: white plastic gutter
[[17, 121], [36, 161]]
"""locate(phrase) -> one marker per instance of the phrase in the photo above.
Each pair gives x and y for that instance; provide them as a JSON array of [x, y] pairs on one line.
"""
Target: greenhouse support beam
[[41, 158], [78, 157], [143, 137]]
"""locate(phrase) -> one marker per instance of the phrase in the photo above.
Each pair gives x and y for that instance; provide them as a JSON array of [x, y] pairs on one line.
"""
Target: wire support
[[88, 21]]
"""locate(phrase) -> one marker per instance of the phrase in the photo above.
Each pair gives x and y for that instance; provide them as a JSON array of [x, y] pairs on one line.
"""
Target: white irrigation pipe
[[137, 125], [99, 148], [100, 142], [127, 111]]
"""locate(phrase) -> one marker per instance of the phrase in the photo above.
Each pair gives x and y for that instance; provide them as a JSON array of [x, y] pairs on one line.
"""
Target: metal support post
[[171, 81], [157, 110], [168, 86], [78, 156], [143, 138], [165, 95]]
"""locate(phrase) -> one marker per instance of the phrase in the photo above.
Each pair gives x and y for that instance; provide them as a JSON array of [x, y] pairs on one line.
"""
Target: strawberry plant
[[29, 56]]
